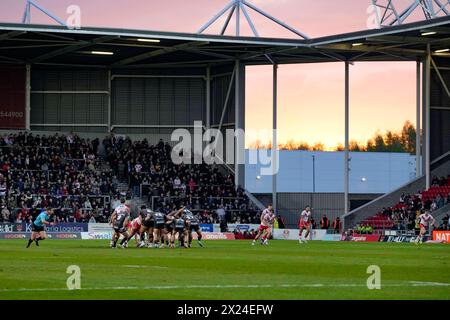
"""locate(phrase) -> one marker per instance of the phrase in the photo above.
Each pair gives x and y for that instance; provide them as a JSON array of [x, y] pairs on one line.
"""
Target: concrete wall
[[383, 172]]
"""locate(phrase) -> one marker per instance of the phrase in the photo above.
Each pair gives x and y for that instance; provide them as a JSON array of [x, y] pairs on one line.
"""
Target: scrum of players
[[153, 229]]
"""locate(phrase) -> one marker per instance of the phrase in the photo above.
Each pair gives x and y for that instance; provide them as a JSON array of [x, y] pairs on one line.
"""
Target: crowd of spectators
[[68, 173], [200, 187], [244, 235], [403, 215], [63, 172]]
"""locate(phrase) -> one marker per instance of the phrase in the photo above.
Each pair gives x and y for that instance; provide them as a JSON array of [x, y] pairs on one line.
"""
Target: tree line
[[403, 140]]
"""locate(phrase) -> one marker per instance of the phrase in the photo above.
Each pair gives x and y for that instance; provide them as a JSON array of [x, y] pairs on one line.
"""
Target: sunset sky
[[311, 97]]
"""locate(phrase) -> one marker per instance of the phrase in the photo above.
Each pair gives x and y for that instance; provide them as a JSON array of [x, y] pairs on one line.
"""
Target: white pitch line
[[428, 284], [142, 267], [312, 285]]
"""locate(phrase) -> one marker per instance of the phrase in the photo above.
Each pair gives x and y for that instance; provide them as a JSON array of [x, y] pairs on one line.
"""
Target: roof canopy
[[121, 48]]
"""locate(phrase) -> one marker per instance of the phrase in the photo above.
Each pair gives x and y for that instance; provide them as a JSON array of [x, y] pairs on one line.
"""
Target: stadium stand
[[80, 178], [64, 172], [402, 216], [201, 187]]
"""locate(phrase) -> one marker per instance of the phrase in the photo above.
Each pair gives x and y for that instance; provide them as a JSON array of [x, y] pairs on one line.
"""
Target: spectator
[[221, 213], [6, 214], [223, 226], [176, 183], [337, 225], [324, 223], [87, 204]]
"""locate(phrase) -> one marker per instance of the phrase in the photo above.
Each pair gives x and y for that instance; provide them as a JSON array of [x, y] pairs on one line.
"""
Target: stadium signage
[[215, 236], [362, 238], [68, 236], [441, 236], [7, 228], [12, 97], [401, 239], [14, 227], [60, 227], [332, 237], [96, 235], [241, 227], [318, 234], [285, 234], [99, 227], [14, 235], [207, 227], [52, 235]]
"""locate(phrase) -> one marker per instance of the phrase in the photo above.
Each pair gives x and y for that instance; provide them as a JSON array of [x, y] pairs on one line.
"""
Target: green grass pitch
[[224, 270]]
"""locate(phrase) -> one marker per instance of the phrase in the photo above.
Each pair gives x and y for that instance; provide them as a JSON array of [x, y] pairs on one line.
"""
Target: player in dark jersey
[[179, 231], [169, 226], [146, 227], [169, 231], [119, 221], [158, 235], [192, 224]]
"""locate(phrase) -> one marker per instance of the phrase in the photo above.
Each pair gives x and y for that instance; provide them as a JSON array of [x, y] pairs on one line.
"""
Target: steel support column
[[238, 19], [418, 106], [347, 137], [427, 118], [109, 100], [237, 107], [208, 98], [28, 97], [423, 120], [275, 138]]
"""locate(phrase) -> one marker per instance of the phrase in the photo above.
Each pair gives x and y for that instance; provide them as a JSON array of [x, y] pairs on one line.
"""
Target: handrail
[[440, 160]]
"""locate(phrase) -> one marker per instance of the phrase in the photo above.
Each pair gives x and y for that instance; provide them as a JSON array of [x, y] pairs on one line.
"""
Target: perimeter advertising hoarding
[[215, 236], [11, 227], [315, 234], [102, 228], [285, 234], [96, 235], [60, 227], [362, 238], [107, 235], [241, 227], [407, 239], [12, 97], [442, 236], [52, 235]]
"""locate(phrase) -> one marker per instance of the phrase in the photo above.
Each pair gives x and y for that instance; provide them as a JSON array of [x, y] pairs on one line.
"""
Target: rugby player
[[304, 224], [169, 225], [192, 224], [264, 231], [179, 231], [425, 220], [119, 221], [135, 230], [158, 229], [147, 226], [174, 226], [38, 227]]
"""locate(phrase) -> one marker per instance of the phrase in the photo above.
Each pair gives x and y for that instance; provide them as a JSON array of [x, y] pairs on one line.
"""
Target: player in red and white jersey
[[264, 230], [425, 220], [304, 224], [135, 229]]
